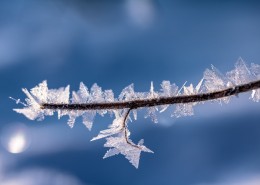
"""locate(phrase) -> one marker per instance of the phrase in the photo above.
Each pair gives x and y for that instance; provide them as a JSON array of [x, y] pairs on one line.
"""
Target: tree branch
[[135, 104]]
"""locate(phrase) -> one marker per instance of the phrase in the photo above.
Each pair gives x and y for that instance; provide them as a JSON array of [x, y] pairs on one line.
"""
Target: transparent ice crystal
[[241, 74], [119, 145], [186, 109]]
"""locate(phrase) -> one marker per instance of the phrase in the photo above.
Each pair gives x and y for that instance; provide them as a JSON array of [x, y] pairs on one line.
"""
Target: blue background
[[116, 43]]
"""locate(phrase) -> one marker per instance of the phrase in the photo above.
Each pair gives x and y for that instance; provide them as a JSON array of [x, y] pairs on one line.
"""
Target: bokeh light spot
[[17, 143]]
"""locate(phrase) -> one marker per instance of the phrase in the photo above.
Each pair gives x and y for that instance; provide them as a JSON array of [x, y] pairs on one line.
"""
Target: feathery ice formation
[[117, 134]]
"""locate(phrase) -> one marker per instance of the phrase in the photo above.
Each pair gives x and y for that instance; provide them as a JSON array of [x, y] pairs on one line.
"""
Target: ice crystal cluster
[[117, 134]]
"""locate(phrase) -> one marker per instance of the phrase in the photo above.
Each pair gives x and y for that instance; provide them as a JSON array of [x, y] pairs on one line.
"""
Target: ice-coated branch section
[[85, 103]]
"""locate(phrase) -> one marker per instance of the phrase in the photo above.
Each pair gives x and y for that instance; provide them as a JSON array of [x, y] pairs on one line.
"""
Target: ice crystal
[[168, 90], [114, 128], [117, 133], [37, 95], [255, 96], [187, 108], [81, 96], [127, 93], [214, 80], [151, 112], [132, 152], [241, 74], [255, 70]]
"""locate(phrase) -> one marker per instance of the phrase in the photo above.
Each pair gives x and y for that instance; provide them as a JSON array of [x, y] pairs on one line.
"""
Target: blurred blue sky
[[116, 43]]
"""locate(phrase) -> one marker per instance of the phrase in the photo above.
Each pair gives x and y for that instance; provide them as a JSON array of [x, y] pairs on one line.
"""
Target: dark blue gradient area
[[116, 43]]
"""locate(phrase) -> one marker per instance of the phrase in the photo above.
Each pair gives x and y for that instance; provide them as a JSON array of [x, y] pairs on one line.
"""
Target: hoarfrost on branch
[[117, 135]]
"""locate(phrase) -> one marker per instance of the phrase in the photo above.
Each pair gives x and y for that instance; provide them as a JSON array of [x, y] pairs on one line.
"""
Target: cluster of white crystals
[[117, 134]]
